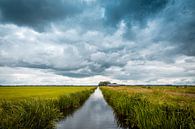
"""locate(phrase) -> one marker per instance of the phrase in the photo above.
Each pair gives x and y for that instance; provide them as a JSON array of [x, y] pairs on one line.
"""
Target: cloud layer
[[36, 13], [86, 41]]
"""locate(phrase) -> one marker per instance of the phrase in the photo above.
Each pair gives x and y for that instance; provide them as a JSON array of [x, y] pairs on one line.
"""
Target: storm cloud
[[36, 13], [178, 25], [175, 19], [86, 41], [132, 11]]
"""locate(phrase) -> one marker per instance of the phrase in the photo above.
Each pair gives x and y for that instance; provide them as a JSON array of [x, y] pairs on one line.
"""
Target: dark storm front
[[95, 114]]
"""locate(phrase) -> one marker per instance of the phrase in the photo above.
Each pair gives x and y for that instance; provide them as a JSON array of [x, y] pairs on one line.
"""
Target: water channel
[[94, 114]]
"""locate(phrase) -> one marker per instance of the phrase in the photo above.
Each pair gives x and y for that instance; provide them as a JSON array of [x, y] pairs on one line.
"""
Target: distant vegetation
[[38, 107], [104, 83], [152, 107]]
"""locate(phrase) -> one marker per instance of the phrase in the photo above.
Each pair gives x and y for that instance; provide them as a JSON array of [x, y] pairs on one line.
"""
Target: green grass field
[[162, 94], [39, 107], [152, 107], [10, 93]]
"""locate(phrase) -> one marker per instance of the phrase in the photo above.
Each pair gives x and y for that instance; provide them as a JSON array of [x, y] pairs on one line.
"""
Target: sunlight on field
[[39, 107], [155, 107], [37, 92], [163, 94]]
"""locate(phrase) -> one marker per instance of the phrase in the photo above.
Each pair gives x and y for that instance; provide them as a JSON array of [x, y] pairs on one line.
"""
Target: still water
[[94, 114]]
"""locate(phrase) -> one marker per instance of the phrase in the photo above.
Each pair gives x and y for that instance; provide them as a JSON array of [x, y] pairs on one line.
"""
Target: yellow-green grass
[[41, 92], [180, 96], [152, 107], [39, 107]]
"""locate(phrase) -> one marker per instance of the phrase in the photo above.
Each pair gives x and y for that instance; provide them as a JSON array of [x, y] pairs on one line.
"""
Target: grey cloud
[[178, 26], [36, 13], [78, 59], [154, 71], [175, 19], [142, 41], [132, 11]]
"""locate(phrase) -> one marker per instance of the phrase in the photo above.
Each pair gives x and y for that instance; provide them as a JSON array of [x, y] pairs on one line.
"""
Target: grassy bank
[[152, 107], [40, 112]]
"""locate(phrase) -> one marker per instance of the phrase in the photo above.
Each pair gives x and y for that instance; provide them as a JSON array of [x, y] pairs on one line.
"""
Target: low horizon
[[98, 85]]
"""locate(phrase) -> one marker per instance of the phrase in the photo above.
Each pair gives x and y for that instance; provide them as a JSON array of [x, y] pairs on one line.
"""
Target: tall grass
[[38, 113], [45, 92], [135, 111]]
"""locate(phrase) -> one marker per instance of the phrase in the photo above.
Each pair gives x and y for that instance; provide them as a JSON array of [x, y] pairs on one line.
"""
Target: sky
[[72, 42]]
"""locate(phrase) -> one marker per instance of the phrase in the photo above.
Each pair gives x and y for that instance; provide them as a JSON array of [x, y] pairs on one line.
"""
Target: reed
[[136, 111], [34, 113]]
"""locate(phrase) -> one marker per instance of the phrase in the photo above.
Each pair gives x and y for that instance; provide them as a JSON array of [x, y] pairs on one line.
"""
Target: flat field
[[172, 95], [41, 92], [39, 107], [148, 107]]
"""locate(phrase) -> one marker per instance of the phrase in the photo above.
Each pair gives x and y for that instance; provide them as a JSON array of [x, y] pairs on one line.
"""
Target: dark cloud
[[132, 11], [175, 19], [143, 41], [178, 26], [36, 13]]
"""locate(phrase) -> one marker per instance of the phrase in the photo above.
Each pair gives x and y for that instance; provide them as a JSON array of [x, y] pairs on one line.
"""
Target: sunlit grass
[[152, 107], [163, 94], [52, 92], [39, 107]]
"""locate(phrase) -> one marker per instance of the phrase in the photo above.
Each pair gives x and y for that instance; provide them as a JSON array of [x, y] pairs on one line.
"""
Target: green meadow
[[141, 107], [39, 107], [152, 107], [43, 92]]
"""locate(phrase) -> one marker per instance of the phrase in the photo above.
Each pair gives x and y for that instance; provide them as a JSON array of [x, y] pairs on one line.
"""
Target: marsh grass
[[28, 114], [68, 103], [35, 113], [135, 110], [39, 92]]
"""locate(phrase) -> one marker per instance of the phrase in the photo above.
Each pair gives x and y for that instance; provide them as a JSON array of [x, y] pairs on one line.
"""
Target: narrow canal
[[94, 114]]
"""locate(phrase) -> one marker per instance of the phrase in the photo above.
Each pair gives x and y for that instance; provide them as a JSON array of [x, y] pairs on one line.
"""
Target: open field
[[43, 92], [163, 94], [39, 107], [152, 107]]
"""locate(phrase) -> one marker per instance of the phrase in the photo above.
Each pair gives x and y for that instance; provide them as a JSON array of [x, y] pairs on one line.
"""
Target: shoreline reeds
[[39, 113], [137, 112]]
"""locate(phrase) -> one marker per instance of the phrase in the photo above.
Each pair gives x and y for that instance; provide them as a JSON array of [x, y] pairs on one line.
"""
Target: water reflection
[[95, 114]]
